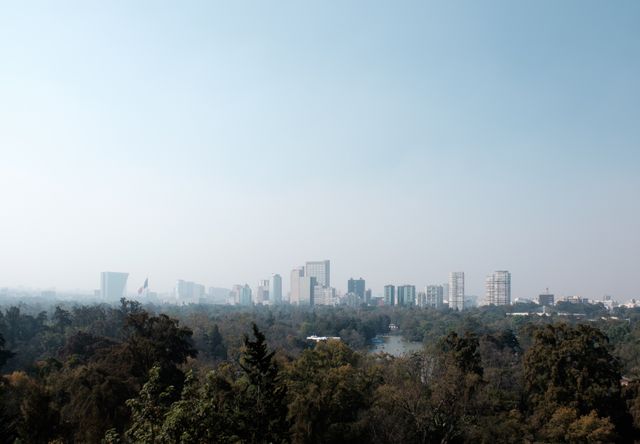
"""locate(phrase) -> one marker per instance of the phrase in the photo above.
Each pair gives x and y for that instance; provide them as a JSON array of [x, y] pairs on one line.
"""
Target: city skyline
[[224, 142]]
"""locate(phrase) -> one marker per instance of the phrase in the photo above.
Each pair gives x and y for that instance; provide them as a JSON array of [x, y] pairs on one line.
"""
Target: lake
[[395, 345]]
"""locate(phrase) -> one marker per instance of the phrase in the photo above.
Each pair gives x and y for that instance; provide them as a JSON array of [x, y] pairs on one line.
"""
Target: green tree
[[263, 393], [572, 367], [148, 410], [329, 394]]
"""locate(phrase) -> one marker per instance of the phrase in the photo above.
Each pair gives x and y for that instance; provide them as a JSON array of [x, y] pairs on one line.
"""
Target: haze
[[223, 142]]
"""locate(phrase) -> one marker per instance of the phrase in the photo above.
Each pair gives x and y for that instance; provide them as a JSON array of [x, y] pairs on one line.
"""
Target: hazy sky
[[223, 142]]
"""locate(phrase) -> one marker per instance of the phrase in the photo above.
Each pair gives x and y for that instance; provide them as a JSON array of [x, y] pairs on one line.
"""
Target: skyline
[[222, 143], [493, 287]]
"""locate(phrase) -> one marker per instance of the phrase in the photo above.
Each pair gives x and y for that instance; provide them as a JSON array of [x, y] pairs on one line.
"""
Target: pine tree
[[264, 396]]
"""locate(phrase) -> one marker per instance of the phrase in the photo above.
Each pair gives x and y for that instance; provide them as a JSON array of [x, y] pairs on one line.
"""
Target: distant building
[[351, 299], [241, 295], [296, 277], [367, 296], [470, 301], [498, 288], [357, 287], [576, 300], [306, 293], [245, 295], [324, 295], [262, 292], [546, 299], [456, 290], [276, 289], [320, 270], [406, 295], [389, 295], [113, 285], [434, 296], [188, 292]]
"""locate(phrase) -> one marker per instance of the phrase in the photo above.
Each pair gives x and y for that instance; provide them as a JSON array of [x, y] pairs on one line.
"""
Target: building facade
[[357, 287], [389, 295], [456, 290], [406, 295], [113, 285], [434, 296], [296, 278], [276, 289], [498, 288], [320, 270], [324, 295]]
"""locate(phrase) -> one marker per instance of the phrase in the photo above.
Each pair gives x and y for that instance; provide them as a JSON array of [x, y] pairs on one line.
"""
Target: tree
[[148, 410], [158, 340], [329, 394], [216, 344], [263, 394], [5, 355], [572, 367], [61, 319]]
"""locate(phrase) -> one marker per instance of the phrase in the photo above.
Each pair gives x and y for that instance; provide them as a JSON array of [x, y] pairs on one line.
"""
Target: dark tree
[[264, 395]]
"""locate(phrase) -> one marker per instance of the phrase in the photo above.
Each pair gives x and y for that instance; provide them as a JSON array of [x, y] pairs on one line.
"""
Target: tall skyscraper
[[245, 295], [276, 289], [296, 276], [113, 285], [307, 287], [434, 296], [456, 290], [321, 270], [262, 292], [389, 295], [406, 295], [188, 292], [498, 288], [357, 287]]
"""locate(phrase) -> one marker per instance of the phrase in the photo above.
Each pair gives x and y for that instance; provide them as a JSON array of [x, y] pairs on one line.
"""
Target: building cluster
[[310, 285]]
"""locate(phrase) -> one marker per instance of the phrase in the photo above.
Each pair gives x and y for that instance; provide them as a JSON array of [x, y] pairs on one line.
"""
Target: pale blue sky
[[222, 142]]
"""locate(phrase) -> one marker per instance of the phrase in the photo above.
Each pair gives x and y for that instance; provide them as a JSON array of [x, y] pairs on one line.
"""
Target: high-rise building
[[276, 289], [389, 295], [367, 296], [406, 295], [245, 295], [321, 270], [307, 287], [546, 299], [324, 295], [357, 287], [296, 276], [262, 292], [189, 292], [498, 288], [434, 296], [240, 295], [456, 290], [113, 285]]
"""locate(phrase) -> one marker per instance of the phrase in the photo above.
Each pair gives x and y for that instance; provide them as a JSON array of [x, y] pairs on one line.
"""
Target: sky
[[222, 142]]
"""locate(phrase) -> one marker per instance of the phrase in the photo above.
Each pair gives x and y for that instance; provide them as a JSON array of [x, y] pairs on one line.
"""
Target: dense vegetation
[[205, 374]]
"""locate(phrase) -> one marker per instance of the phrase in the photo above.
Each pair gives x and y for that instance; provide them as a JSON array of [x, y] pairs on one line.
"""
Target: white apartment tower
[[456, 290], [434, 296], [296, 277], [498, 288]]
